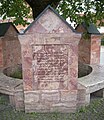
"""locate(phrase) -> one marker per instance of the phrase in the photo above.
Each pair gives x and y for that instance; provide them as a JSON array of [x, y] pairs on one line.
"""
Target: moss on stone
[[16, 74]]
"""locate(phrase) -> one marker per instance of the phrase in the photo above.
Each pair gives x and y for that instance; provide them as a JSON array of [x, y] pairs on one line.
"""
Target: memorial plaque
[[50, 62]]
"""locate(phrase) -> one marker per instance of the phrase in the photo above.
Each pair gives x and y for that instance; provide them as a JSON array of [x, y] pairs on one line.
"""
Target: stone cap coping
[[95, 80], [4, 28], [8, 84], [91, 28]]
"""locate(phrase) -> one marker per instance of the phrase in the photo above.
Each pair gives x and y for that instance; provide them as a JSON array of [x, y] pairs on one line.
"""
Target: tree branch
[[39, 5]]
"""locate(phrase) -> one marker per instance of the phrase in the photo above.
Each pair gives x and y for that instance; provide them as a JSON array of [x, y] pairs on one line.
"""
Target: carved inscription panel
[[50, 62]]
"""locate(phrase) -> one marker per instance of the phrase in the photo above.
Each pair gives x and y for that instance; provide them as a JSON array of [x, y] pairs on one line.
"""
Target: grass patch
[[4, 99], [94, 111]]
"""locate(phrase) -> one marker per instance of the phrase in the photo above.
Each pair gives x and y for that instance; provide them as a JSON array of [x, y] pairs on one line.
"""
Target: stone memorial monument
[[50, 64], [89, 45]]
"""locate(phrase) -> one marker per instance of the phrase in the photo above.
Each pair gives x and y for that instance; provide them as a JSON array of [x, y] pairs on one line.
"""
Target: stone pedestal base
[[50, 101], [19, 98]]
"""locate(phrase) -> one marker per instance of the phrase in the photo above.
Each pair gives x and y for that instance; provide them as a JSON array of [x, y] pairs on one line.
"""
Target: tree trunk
[[39, 5]]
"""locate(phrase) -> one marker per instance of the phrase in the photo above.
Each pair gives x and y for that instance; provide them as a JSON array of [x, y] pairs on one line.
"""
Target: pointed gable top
[[91, 29], [4, 28], [50, 8]]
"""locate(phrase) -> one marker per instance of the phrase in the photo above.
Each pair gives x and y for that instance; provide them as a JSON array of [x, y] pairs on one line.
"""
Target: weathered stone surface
[[89, 47], [50, 24], [50, 55], [19, 98], [67, 96], [51, 97], [93, 82], [65, 104], [45, 85], [12, 100], [95, 49], [36, 107], [28, 78], [32, 97], [84, 49], [13, 88], [81, 96], [10, 49]]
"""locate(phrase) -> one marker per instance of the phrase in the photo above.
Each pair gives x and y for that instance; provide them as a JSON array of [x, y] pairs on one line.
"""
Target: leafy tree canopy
[[16, 9], [89, 11]]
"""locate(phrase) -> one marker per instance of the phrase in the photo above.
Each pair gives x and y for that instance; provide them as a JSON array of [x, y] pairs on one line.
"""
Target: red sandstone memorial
[[10, 49], [53, 79], [10, 56], [50, 64], [89, 45]]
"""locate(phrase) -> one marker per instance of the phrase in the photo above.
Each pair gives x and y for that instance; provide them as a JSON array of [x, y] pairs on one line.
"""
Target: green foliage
[[3, 99], [93, 10], [86, 36], [102, 41], [16, 9], [88, 11]]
